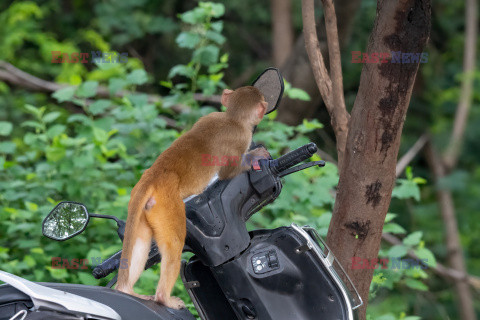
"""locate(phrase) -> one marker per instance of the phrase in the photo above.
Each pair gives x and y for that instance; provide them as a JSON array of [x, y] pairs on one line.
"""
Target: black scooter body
[[291, 288], [127, 306]]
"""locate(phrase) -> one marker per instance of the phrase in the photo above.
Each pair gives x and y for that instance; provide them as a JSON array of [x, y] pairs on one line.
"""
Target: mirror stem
[[105, 216]]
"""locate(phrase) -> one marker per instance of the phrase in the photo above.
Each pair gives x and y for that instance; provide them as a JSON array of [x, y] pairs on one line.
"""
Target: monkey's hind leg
[[135, 254], [168, 222]]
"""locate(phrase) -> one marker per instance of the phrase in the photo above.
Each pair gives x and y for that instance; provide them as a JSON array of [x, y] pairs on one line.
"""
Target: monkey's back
[[212, 137]]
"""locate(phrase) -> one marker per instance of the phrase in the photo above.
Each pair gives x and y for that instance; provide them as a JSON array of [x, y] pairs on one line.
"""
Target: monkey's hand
[[257, 154], [249, 160]]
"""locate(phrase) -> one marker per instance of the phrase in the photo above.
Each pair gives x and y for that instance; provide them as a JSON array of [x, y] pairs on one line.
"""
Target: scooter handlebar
[[108, 266], [292, 158]]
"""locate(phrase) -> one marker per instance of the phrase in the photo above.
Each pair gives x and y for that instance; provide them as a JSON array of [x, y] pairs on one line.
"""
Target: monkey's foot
[[171, 302], [144, 297]]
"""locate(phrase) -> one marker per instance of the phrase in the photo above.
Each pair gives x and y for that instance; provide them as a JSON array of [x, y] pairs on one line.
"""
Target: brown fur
[[156, 208]]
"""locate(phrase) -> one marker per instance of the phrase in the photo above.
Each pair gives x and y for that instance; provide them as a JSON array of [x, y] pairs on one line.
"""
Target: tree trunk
[[297, 69], [282, 30], [367, 175]]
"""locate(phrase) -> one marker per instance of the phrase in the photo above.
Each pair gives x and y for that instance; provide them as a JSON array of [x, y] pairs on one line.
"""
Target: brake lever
[[320, 163]]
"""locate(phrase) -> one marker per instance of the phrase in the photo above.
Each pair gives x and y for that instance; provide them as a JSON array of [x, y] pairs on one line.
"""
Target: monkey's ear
[[261, 109], [225, 95]]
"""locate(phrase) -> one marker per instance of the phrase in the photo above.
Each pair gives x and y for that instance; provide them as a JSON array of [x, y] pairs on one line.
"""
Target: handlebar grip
[[294, 157], [107, 266]]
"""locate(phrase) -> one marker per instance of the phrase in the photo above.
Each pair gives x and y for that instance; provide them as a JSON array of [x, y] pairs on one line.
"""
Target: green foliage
[[295, 93], [202, 34], [395, 275]]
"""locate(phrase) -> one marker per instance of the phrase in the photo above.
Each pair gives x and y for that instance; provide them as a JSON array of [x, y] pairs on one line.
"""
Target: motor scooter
[[287, 273]]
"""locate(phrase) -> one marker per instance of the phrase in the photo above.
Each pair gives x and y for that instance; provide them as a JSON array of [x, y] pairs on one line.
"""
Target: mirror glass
[[66, 220], [270, 84]]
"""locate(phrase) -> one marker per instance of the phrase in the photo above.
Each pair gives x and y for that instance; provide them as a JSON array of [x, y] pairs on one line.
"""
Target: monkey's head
[[245, 104]]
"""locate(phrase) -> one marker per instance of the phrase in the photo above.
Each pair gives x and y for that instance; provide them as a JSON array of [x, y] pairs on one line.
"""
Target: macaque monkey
[[156, 207]]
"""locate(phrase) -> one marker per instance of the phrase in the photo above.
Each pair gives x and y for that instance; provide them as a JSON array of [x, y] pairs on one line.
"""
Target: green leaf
[[419, 180], [389, 217], [413, 238], [425, 254], [216, 10], [100, 135], [194, 16], [397, 251], [115, 85], [393, 228], [408, 173], [182, 71], [55, 130], [33, 124], [406, 189], [87, 278], [64, 94], [378, 278], [206, 55], [50, 117], [80, 118], [167, 84], [31, 206], [415, 284], [58, 274], [295, 93], [138, 77], [87, 89], [99, 106], [216, 37], [217, 26], [94, 257], [309, 126], [5, 128], [224, 58], [55, 154], [7, 147], [37, 250], [29, 261], [187, 40]]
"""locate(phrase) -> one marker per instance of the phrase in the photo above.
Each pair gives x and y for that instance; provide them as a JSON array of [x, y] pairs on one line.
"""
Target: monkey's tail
[[140, 200]]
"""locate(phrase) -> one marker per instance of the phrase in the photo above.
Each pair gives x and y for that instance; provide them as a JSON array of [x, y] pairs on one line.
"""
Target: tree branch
[[469, 56], [331, 91], [297, 69], [410, 155], [17, 77], [440, 269], [341, 117], [282, 30], [454, 248]]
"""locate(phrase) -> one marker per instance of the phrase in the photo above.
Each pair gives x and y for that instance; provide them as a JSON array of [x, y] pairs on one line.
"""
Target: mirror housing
[[270, 84], [65, 221]]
